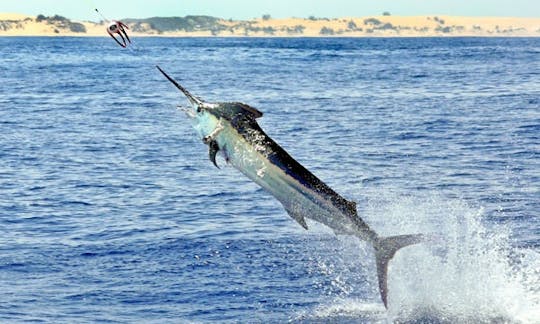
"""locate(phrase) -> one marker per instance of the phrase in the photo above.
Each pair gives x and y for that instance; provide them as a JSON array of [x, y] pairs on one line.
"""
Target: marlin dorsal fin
[[233, 109], [251, 110]]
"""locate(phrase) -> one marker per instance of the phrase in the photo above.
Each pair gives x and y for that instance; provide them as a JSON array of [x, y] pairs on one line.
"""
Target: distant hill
[[175, 24], [378, 26]]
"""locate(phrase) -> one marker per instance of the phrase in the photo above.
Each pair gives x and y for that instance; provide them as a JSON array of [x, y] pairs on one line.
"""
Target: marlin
[[231, 128]]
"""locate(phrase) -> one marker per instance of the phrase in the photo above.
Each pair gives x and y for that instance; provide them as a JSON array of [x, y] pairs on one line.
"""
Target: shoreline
[[205, 26], [270, 36]]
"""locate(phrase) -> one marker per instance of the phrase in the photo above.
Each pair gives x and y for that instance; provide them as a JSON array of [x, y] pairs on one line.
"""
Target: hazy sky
[[247, 9]]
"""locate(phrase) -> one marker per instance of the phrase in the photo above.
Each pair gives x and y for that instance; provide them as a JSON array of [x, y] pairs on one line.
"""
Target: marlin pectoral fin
[[213, 148], [299, 218]]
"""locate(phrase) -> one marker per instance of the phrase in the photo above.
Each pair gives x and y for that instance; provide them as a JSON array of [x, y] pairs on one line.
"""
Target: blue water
[[110, 210]]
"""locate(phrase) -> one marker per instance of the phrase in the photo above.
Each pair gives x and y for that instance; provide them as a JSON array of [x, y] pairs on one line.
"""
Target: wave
[[472, 274]]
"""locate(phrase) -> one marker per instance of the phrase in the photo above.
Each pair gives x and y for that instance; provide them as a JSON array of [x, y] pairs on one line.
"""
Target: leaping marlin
[[232, 129]]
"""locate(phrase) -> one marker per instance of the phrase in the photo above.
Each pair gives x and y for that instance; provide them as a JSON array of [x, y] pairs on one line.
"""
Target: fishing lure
[[119, 28]]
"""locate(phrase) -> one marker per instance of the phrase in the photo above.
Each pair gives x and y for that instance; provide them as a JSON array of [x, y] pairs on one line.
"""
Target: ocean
[[111, 212]]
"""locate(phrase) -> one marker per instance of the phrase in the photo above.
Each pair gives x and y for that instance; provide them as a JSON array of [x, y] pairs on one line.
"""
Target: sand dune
[[13, 16], [382, 26]]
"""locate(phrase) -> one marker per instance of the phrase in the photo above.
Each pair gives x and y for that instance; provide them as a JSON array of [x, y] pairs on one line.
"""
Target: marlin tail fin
[[385, 248]]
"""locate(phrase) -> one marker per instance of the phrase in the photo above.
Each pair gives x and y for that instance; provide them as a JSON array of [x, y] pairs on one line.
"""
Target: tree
[[266, 17], [326, 31], [386, 13], [77, 27], [372, 21]]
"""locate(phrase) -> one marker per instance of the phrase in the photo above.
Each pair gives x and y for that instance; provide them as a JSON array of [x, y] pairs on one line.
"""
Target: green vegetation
[[296, 30], [449, 29], [313, 18], [7, 25], [437, 19], [219, 27], [62, 23], [326, 31], [269, 30], [372, 21], [445, 30], [386, 26], [77, 27], [206, 23], [187, 23], [351, 26]]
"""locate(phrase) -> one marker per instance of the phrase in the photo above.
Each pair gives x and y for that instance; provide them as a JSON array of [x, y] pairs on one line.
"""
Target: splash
[[345, 310], [470, 274]]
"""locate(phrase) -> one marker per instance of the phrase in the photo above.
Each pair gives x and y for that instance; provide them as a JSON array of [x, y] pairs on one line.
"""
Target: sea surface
[[111, 212]]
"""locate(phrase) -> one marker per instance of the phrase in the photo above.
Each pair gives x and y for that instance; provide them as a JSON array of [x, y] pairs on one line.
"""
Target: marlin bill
[[231, 129]]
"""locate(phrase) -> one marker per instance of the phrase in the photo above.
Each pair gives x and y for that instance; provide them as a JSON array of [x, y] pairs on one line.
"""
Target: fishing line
[[94, 7], [131, 44]]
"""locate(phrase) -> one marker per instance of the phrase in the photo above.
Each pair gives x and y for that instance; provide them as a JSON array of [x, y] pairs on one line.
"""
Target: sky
[[248, 9]]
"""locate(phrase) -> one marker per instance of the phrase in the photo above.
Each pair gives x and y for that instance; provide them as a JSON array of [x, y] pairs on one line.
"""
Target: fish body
[[232, 129]]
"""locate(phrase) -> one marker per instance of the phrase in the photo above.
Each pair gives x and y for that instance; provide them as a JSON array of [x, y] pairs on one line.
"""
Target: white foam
[[345, 310], [468, 276], [471, 273]]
